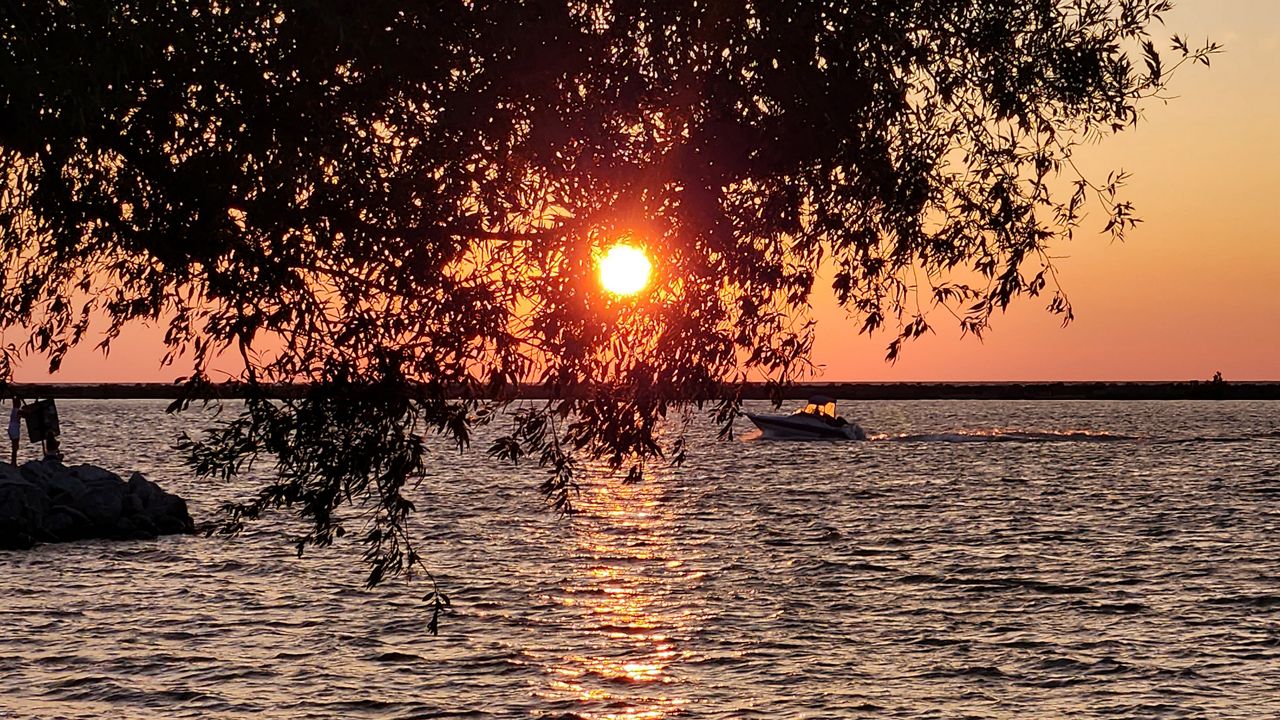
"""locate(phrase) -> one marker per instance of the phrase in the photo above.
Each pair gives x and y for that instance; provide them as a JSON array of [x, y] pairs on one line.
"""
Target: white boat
[[816, 421]]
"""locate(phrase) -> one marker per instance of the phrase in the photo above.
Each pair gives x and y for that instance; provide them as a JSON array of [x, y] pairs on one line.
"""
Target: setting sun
[[624, 269]]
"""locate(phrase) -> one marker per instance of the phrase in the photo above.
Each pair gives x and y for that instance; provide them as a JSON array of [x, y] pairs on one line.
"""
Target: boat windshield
[[826, 409]]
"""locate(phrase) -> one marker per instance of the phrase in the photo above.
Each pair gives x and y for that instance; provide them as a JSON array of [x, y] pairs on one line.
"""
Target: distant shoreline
[[1187, 390]]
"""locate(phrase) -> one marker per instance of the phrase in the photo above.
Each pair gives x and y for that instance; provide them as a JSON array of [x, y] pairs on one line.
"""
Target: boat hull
[[799, 427]]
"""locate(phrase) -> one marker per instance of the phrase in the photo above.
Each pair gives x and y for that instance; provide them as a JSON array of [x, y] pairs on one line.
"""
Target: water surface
[[975, 559]]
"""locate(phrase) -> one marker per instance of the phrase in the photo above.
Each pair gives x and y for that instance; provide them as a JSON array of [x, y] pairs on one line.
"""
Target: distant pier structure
[[1188, 390]]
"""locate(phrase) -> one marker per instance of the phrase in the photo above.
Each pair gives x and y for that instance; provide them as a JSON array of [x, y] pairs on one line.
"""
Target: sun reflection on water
[[629, 599]]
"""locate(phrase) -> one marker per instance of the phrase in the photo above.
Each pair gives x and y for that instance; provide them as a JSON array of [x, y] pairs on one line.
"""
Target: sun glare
[[624, 269]]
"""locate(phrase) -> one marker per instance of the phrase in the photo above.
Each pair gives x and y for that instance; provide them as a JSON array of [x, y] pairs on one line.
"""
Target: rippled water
[[976, 559]]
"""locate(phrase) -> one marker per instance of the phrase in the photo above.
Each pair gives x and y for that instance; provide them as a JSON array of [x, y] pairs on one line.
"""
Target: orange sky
[[1195, 289]]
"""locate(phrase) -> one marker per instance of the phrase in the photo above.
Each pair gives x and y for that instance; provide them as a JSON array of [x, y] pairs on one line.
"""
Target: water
[[976, 559]]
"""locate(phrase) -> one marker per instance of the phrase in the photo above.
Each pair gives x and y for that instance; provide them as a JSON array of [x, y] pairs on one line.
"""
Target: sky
[[1194, 289]]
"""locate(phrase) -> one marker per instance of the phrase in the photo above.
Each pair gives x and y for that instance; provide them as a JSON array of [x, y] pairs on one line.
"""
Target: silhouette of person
[[16, 413], [52, 449]]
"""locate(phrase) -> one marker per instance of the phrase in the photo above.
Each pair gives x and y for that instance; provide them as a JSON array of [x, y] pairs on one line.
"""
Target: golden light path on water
[[625, 536]]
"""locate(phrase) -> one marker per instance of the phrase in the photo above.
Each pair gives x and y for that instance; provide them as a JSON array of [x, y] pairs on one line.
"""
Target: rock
[[16, 539], [132, 505], [45, 501], [173, 525], [102, 501], [147, 492], [64, 489], [9, 473], [92, 475], [147, 528], [133, 528], [23, 508], [40, 471], [67, 524], [164, 509]]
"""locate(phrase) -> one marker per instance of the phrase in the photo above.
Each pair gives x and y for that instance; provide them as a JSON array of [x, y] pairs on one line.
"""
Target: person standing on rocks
[[52, 448], [15, 427], [45, 415]]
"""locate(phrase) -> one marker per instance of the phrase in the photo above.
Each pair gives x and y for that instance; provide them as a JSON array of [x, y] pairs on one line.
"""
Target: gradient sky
[[1194, 289]]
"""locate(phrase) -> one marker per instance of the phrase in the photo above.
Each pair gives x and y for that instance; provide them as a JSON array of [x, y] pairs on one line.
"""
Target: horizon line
[[842, 390]]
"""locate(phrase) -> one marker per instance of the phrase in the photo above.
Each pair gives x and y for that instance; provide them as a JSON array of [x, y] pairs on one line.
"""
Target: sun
[[624, 269]]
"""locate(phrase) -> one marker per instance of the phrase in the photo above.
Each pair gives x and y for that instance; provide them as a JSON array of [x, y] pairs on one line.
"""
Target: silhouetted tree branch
[[409, 197]]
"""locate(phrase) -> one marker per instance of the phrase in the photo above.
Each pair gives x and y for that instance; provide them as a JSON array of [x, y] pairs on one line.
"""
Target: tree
[[399, 204]]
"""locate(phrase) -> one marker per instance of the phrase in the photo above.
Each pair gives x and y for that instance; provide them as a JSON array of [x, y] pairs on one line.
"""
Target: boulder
[[66, 524], [165, 510], [134, 528], [64, 489], [174, 525], [142, 525], [102, 503], [23, 507], [94, 476], [147, 493], [9, 473], [46, 501], [41, 471]]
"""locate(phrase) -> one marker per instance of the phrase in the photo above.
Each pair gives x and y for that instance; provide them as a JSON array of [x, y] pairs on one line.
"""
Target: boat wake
[[1004, 435], [1007, 436]]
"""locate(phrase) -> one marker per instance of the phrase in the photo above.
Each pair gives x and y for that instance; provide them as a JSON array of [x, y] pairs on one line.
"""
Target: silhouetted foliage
[[401, 202]]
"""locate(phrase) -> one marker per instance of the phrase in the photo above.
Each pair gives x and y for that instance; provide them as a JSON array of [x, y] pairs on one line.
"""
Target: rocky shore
[[45, 501]]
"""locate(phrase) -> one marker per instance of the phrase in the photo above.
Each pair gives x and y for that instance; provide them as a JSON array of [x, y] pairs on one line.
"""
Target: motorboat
[[815, 421]]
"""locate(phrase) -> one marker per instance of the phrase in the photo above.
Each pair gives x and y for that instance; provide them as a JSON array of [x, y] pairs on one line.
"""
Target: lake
[[985, 559]]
